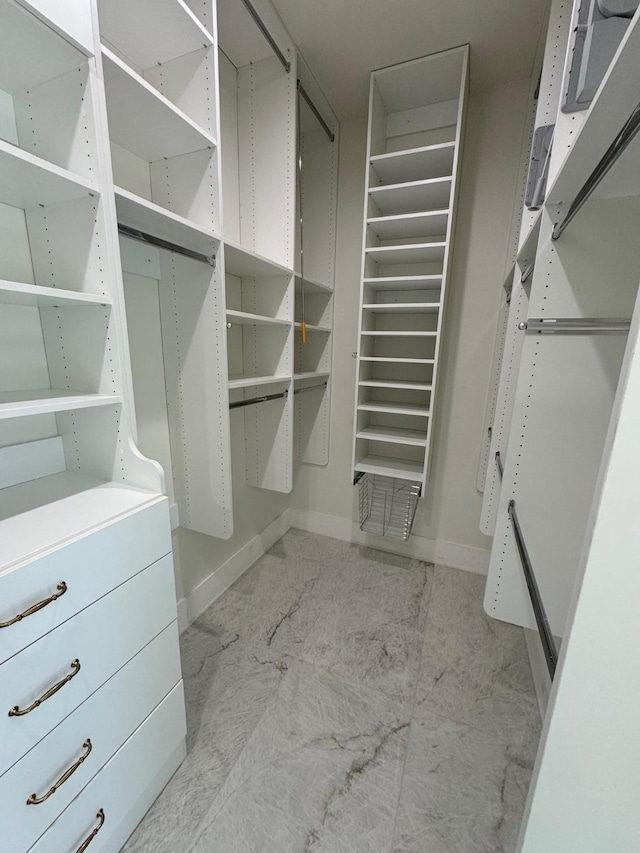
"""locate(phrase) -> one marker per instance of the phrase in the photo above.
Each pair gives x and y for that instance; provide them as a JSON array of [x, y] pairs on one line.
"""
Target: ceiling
[[343, 40]]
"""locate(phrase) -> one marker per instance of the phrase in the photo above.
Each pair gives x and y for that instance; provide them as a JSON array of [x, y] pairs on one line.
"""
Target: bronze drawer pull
[[17, 712], [89, 838], [35, 800], [61, 587]]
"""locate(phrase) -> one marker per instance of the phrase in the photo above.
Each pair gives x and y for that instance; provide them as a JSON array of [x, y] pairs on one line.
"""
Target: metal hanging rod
[[315, 387], [499, 464], [316, 112], [241, 403], [577, 326], [611, 155], [526, 275], [143, 237], [265, 32], [546, 637]]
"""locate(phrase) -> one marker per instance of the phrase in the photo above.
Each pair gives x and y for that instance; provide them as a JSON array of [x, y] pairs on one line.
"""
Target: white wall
[[446, 525]]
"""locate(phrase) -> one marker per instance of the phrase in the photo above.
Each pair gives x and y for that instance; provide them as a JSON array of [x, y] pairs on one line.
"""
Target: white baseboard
[[438, 551], [539, 670], [218, 581]]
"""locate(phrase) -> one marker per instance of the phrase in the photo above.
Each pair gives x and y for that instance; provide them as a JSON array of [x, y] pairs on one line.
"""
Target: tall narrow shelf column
[[416, 124]]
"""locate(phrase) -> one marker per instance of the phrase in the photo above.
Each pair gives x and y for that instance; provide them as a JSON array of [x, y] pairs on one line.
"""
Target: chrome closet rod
[[310, 388], [526, 275], [265, 32], [143, 237], [316, 112], [241, 403], [576, 326], [609, 158], [546, 637]]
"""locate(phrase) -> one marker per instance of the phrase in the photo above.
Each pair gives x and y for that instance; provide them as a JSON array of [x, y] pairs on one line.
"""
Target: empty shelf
[[411, 197], [130, 25], [405, 282], [16, 404], [142, 120], [389, 466], [17, 293], [312, 286], [402, 307], [393, 435], [413, 164], [312, 374], [400, 334], [324, 329], [249, 381], [424, 224], [28, 181], [397, 360], [402, 384], [49, 511], [138, 212], [242, 318], [47, 56], [412, 253], [247, 264], [390, 408]]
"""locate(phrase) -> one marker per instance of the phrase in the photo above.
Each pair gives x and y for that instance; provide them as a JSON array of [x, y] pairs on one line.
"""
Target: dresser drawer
[[124, 787], [95, 730], [83, 571], [102, 638]]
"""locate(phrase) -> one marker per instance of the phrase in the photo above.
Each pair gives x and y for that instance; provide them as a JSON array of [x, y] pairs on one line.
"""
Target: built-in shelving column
[[416, 117]]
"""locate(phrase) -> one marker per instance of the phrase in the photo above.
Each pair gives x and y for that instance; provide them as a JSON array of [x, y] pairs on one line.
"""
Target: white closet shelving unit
[[416, 121], [75, 492]]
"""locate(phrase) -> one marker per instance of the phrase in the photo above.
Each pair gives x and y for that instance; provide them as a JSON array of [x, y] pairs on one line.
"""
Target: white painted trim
[[438, 551], [539, 670], [218, 581]]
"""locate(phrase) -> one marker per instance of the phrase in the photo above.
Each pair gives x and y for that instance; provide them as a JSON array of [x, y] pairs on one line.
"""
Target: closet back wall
[[446, 526]]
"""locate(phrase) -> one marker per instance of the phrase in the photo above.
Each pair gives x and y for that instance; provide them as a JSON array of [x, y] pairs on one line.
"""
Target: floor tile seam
[[412, 711]]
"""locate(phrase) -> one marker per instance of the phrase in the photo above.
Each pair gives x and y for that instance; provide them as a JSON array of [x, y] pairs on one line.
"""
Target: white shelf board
[[399, 334], [413, 164], [405, 282], [390, 408], [400, 384], [312, 286], [47, 512], [389, 466], [28, 181], [402, 307], [142, 120], [131, 26], [244, 263], [243, 318], [15, 404], [414, 196], [312, 374], [47, 56], [412, 253], [397, 360], [394, 435], [423, 224], [322, 329], [250, 381], [138, 212], [529, 241], [615, 101], [18, 293]]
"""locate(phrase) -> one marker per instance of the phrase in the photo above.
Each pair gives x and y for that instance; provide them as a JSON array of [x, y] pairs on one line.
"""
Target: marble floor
[[346, 700]]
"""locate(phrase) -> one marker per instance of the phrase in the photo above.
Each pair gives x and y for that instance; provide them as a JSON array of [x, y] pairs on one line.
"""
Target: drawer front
[[121, 785], [104, 721], [90, 567], [102, 638]]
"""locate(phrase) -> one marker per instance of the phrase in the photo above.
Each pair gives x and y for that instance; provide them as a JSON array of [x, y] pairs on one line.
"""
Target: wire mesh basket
[[387, 505]]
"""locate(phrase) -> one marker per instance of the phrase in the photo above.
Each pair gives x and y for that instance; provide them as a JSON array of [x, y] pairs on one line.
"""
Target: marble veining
[[345, 700]]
